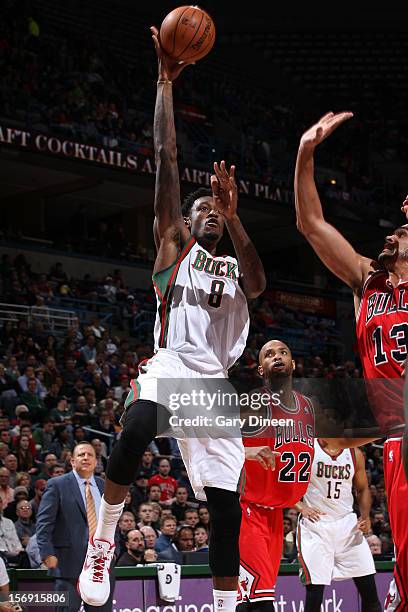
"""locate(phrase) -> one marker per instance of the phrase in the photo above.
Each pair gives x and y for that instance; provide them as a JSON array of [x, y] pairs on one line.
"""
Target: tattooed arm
[[225, 192], [169, 228]]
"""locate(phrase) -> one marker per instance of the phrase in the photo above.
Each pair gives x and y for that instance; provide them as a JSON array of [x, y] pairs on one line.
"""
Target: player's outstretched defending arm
[[331, 247], [169, 228], [225, 194]]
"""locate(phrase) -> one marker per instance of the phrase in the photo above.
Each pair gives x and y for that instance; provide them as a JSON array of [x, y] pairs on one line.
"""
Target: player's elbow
[[300, 225], [307, 227]]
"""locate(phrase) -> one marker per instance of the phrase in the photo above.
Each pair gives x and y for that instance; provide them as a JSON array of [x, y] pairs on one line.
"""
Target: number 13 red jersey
[[382, 335]]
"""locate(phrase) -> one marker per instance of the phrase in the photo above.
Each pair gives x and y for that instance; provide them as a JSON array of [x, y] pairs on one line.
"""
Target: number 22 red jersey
[[287, 483], [382, 335]]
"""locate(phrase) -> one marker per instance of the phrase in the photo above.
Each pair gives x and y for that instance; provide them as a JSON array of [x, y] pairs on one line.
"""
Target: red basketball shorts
[[260, 549], [397, 495]]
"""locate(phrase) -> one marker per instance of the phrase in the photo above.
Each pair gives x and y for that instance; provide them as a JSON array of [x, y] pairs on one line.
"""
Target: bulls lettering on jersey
[[202, 312], [382, 335], [287, 483], [331, 483]]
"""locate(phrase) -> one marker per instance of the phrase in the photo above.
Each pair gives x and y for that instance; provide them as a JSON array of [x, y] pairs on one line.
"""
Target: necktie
[[90, 509]]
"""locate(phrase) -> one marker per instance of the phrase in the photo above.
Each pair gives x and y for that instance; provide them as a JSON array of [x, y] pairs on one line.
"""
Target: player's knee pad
[[314, 597], [225, 520], [139, 429], [225, 511], [139, 425]]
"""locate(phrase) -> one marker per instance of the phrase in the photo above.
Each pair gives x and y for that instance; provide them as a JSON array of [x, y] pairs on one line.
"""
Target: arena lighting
[[333, 181]]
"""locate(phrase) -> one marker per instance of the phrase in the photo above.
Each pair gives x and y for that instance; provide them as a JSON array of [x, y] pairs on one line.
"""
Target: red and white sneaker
[[93, 582]]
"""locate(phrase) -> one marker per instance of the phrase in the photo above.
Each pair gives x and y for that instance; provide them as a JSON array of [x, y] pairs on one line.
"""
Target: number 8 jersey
[[382, 336], [202, 312]]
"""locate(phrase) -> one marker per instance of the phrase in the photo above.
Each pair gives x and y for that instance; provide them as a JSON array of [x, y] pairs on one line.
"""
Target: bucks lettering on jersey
[[202, 312], [331, 483]]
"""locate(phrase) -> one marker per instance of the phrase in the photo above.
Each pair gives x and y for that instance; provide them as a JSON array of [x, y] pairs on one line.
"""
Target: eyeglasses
[[25, 507]]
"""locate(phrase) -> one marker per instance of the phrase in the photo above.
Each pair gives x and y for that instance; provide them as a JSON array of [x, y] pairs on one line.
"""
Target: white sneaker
[[93, 582]]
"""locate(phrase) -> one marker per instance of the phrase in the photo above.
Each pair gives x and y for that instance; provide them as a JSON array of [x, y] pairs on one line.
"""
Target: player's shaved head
[[274, 344], [275, 361]]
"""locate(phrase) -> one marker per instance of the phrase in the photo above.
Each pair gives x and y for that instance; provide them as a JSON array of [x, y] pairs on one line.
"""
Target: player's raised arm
[[225, 194], [169, 228], [332, 248]]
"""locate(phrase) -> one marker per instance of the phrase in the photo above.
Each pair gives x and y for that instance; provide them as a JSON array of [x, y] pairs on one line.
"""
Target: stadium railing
[[57, 320]]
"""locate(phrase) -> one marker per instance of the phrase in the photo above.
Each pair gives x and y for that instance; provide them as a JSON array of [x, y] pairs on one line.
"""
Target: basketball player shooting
[[201, 330], [381, 307]]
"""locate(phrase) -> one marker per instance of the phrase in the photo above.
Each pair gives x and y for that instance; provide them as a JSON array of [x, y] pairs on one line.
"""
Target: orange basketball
[[187, 33]]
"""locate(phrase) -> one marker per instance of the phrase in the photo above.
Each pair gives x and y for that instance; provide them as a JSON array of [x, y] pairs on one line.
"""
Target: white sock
[[107, 520], [224, 601]]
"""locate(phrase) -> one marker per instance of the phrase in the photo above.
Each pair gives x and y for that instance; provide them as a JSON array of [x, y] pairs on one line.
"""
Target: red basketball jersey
[[382, 336], [284, 486]]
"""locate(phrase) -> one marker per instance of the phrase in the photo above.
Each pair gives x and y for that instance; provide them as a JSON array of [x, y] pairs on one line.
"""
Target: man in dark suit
[[68, 512]]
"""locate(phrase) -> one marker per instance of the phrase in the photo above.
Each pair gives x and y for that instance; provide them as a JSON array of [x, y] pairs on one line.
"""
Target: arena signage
[[141, 595], [304, 303], [121, 159]]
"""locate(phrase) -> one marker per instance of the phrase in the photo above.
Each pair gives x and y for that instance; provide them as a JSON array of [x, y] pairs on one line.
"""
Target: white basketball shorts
[[332, 550], [211, 458]]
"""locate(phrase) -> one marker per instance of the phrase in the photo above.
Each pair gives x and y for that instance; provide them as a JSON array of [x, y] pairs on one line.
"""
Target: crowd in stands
[[56, 79], [59, 389], [19, 285]]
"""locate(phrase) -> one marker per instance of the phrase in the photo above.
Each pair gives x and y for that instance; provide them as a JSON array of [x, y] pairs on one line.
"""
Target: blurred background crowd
[[59, 388]]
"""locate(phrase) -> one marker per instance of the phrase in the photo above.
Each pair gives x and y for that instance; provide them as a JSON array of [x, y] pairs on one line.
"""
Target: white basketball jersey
[[331, 482], [202, 312]]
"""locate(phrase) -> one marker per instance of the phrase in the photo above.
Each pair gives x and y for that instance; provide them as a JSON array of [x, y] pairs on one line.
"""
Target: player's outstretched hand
[[364, 525], [225, 191], [322, 129], [263, 454], [169, 69]]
